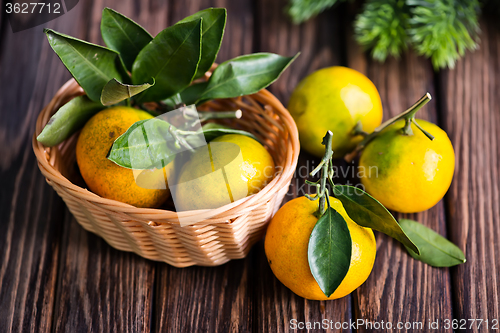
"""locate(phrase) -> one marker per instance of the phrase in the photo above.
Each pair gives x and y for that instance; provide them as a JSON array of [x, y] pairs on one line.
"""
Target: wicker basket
[[223, 234]]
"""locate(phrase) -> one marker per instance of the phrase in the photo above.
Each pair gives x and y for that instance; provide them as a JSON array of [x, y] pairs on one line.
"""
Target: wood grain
[[318, 40], [153, 15], [401, 289], [238, 35], [31, 214], [201, 299], [17, 115], [471, 118], [101, 289], [30, 219]]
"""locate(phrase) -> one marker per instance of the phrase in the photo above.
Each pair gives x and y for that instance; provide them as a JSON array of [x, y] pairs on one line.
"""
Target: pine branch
[[438, 29], [381, 26], [443, 29]]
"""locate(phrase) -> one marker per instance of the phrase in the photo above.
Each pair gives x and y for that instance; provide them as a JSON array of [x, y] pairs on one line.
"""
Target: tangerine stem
[[358, 130], [207, 115], [429, 135], [409, 115], [407, 128], [325, 168]]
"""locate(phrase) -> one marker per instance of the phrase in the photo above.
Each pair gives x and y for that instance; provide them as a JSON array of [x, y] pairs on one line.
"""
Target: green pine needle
[[382, 26], [302, 10], [443, 29]]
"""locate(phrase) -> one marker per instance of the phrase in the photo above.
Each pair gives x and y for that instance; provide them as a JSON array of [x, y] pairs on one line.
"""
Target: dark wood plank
[[238, 35], [210, 299], [30, 219], [240, 27], [2, 21], [401, 289], [470, 101], [318, 40], [151, 14], [205, 299], [19, 57], [31, 214], [319, 43], [101, 289]]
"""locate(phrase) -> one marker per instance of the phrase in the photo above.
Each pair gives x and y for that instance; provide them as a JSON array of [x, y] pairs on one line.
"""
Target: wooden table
[[55, 276]]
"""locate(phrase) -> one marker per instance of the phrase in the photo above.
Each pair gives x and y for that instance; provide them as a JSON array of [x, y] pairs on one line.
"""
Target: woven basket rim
[[47, 168]]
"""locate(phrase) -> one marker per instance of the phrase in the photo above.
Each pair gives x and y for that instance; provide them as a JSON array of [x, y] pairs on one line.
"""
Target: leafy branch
[[138, 68]]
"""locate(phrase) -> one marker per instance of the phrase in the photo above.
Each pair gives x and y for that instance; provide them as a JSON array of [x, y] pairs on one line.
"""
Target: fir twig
[[438, 29], [382, 26], [443, 30]]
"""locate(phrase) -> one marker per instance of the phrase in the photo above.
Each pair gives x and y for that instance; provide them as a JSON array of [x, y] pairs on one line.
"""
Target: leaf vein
[[123, 30], [102, 74], [177, 49], [236, 78]]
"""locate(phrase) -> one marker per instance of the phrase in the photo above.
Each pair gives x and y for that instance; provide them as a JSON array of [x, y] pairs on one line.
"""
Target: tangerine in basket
[[286, 247], [108, 179], [229, 168]]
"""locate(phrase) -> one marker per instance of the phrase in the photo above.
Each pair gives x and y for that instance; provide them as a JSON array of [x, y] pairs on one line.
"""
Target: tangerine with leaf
[[414, 162], [287, 243], [323, 247]]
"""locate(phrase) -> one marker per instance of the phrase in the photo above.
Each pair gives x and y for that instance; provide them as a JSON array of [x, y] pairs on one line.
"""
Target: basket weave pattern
[[215, 236]]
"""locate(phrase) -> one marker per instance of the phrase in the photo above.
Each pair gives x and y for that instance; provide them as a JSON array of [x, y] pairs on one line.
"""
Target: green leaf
[[123, 35], [435, 250], [115, 92], [214, 22], [214, 130], [67, 120], [145, 144], [366, 211], [91, 65], [171, 58], [192, 93], [302, 10], [245, 75], [188, 96], [329, 251]]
